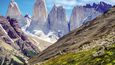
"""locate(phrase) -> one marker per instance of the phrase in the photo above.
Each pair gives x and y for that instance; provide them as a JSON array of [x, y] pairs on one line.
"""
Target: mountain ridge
[[47, 22], [81, 38]]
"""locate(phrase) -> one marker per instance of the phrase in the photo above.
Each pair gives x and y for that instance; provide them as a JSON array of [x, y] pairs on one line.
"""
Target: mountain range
[[90, 44], [26, 40], [56, 20]]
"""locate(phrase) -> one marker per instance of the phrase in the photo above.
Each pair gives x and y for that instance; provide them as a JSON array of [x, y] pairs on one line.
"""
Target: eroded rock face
[[39, 16], [9, 56], [40, 11], [57, 22], [81, 15], [4, 36], [8, 28], [20, 40], [24, 42]]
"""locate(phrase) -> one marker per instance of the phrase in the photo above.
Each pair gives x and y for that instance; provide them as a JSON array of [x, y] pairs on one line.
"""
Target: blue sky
[[26, 6]]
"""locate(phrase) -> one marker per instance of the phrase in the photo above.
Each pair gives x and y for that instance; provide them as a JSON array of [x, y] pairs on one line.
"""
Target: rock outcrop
[[4, 36], [57, 21], [20, 41], [10, 56]]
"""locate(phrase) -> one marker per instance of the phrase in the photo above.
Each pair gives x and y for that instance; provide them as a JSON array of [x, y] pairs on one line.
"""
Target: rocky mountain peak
[[77, 16], [13, 8], [54, 8], [39, 16], [82, 14], [100, 7], [40, 11], [57, 21]]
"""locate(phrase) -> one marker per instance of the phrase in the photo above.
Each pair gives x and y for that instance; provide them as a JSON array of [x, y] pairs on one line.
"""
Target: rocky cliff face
[[39, 16], [10, 56], [40, 11], [9, 50], [57, 21], [17, 38], [88, 36], [81, 15], [21, 45], [4, 36]]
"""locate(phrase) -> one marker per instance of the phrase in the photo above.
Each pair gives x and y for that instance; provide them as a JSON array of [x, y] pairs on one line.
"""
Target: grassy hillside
[[98, 32], [85, 58], [99, 55]]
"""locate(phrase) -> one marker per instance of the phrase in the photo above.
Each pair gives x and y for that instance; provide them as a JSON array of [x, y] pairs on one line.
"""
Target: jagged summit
[[40, 11], [57, 21], [39, 16], [100, 7], [57, 15], [80, 15], [83, 14], [13, 10]]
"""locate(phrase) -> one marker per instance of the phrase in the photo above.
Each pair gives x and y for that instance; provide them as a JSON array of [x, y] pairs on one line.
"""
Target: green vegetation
[[85, 58], [29, 53], [17, 59]]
